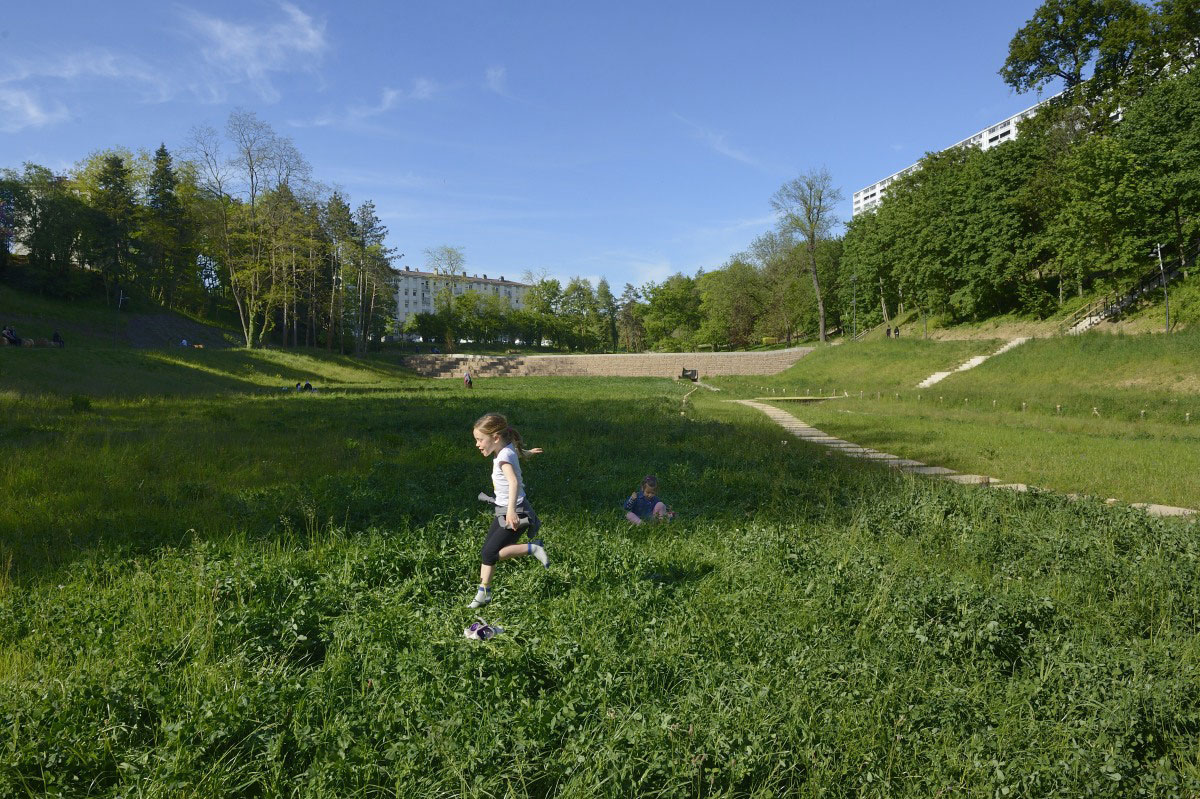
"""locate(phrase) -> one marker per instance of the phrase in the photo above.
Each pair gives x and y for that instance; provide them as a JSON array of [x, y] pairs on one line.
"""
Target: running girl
[[495, 438]]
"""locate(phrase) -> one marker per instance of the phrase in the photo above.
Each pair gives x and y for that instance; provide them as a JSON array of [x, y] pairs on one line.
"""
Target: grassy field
[[1101, 414], [1126, 460], [216, 588]]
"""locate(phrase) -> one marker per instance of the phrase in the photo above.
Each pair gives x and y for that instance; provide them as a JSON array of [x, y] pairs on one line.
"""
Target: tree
[[371, 276], [631, 333], [542, 302], [339, 226], [672, 313], [450, 263], [1161, 134], [13, 198], [731, 301], [806, 205], [780, 260], [1104, 52], [577, 309], [110, 242], [606, 305], [162, 231]]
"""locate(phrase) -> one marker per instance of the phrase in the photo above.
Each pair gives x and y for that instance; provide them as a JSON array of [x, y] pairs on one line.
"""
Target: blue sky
[[618, 139]]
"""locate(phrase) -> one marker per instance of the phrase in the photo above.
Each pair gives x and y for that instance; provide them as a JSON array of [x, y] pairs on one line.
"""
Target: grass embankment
[[134, 373], [973, 421], [868, 366], [84, 322], [91, 323], [246, 595]]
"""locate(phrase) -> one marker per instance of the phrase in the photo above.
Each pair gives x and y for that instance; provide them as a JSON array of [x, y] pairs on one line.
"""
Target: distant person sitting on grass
[[11, 337], [57, 340], [645, 505]]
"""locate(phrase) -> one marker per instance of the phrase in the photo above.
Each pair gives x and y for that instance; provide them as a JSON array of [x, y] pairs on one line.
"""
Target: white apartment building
[[416, 290], [986, 139]]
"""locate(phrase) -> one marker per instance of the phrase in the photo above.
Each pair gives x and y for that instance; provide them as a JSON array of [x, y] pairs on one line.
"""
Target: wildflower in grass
[[497, 439]]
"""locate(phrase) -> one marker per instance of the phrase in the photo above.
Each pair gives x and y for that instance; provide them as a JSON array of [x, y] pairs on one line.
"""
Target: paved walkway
[[851, 450]]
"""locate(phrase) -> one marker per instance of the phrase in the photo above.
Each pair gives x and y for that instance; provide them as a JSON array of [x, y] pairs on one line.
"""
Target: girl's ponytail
[[494, 423]]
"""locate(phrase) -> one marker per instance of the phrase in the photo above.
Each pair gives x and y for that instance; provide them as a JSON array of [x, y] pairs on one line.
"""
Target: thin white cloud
[[252, 52], [718, 142], [20, 109], [423, 89], [495, 78], [357, 115], [27, 85], [92, 63]]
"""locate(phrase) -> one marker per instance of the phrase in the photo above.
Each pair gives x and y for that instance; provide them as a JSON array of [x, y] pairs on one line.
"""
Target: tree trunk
[[812, 269], [332, 302], [1179, 243], [887, 320]]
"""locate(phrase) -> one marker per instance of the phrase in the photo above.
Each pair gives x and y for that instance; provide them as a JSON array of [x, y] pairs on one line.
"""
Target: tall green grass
[[270, 601]]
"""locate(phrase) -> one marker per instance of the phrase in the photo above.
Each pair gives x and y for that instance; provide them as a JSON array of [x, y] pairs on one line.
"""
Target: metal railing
[[1110, 305]]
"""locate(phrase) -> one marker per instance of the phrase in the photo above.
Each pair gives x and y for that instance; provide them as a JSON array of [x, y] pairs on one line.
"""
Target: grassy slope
[[248, 595], [134, 373], [880, 365], [90, 323], [1116, 453]]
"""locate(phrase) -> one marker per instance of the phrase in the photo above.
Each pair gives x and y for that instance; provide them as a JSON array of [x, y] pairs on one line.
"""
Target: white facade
[[986, 139], [416, 290]]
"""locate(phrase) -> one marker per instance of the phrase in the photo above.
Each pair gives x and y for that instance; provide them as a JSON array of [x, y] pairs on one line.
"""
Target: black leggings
[[499, 536]]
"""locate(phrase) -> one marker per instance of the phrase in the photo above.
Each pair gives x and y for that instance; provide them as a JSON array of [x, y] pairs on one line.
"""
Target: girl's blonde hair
[[491, 424]]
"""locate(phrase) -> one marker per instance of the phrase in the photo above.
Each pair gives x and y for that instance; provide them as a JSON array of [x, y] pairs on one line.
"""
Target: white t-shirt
[[500, 481]]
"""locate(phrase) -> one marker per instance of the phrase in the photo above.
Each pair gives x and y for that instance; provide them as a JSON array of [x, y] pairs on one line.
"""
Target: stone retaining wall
[[656, 364]]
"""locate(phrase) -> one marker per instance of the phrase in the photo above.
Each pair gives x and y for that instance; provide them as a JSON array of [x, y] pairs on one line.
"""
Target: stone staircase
[[971, 363], [1113, 305]]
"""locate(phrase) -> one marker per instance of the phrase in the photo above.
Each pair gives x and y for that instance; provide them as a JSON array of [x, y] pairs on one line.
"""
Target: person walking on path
[[495, 438]]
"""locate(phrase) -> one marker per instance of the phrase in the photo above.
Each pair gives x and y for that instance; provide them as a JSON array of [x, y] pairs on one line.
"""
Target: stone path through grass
[[811, 434], [938, 377]]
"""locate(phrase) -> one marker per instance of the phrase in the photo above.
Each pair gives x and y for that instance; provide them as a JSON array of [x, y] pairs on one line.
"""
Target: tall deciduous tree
[[732, 299], [606, 305], [672, 314], [451, 265], [578, 310], [631, 333], [806, 205]]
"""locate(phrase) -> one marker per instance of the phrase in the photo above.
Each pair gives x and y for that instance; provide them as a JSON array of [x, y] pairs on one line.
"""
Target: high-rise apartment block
[[989, 137]]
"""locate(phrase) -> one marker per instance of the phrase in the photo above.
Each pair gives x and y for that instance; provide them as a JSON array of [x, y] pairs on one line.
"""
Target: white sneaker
[[538, 551], [482, 597]]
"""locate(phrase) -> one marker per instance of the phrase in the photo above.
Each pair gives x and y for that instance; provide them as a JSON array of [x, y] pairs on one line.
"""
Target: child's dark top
[[643, 506]]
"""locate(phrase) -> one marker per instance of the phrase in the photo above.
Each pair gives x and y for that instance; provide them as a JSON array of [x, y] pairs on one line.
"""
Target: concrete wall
[[641, 365]]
